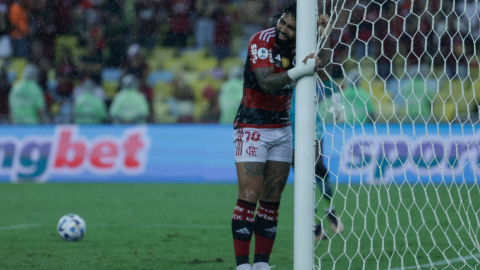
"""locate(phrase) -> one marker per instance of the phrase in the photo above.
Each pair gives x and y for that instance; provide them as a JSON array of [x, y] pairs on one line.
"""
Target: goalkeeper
[[321, 172]]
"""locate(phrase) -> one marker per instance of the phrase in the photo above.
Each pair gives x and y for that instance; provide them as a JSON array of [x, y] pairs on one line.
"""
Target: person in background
[[354, 106], [231, 94], [5, 42], [147, 12], [89, 85], [88, 107], [129, 106], [19, 29], [115, 33], [91, 63], [182, 102], [4, 92], [136, 65], [321, 172], [26, 100], [179, 12]]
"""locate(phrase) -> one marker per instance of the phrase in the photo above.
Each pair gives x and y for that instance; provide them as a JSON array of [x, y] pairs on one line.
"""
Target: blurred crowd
[[181, 61]]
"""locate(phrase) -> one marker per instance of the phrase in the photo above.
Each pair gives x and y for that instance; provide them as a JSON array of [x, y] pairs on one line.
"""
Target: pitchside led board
[[205, 153]]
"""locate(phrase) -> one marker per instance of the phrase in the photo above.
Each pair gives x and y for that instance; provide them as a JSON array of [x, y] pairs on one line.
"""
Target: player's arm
[[270, 81]]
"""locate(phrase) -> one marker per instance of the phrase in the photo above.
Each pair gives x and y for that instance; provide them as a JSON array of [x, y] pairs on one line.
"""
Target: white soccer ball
[[71, 227]]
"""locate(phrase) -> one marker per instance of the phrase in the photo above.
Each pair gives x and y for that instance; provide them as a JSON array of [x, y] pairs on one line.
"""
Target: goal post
[[304, 185], [401, 137]]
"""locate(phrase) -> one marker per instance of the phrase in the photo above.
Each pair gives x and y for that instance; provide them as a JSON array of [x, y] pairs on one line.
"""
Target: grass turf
[[170, 226]]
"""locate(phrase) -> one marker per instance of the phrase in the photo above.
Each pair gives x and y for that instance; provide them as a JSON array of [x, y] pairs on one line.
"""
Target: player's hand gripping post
[[306, 68]]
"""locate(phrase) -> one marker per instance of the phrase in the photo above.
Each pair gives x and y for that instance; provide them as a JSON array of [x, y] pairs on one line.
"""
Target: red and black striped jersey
[[259, 109]]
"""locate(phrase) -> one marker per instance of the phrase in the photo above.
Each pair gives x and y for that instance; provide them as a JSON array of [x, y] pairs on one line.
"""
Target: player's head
[[30, 72], [287, 25], [129, 82]]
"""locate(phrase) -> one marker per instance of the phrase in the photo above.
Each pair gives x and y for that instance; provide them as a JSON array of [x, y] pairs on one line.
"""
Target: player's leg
[[276, 173], [250, 158], [323, 181], [250, 182], [266, 219]]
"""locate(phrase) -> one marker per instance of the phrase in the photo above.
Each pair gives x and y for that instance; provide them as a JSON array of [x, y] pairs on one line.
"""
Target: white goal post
[[304, 184], [401, 139]]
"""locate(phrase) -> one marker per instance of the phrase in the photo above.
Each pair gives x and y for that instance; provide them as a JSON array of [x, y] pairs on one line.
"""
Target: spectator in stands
[[222, 33], [63, 12], [231, 94], [19, 28], [204, 23], [254, 16], [5, 42], [88, 85], [417, 98], [179, 12], [358, 103], [43, 28], [135, 64], [26, 100], [39, 59], [91, 63], [147, 12], [212, 114], [115, 34], [66, 73], [129, 106], [182, 101], [4, 92], [89, 107], [354, 106]]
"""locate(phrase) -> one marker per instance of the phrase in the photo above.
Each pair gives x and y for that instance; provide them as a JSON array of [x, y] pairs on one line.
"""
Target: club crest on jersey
[[263, 53], [285, 62]]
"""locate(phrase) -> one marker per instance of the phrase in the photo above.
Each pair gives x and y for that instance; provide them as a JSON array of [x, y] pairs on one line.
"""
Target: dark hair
[[290, 8]]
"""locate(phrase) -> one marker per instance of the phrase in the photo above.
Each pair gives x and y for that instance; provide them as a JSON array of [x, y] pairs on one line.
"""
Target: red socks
[[265, 230], [243, 224]]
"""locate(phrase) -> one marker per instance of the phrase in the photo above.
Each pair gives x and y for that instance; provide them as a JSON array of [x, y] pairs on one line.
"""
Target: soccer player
[[263, 136], [321, 172]]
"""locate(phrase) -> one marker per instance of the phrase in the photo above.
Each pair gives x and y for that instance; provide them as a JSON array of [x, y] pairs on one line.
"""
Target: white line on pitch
[[444, 262], [21, 226]]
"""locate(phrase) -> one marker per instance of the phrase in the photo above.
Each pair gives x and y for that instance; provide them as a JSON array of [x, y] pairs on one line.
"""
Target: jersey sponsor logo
[[285, 62], [253, 52], [239, 209], [252, 151], [263, 53]]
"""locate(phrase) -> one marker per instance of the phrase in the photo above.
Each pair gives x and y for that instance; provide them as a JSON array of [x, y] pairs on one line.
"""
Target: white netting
[[400, 138]]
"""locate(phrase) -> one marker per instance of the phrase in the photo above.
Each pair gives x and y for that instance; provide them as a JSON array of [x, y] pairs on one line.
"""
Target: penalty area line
[[438, 263], [21, 226]]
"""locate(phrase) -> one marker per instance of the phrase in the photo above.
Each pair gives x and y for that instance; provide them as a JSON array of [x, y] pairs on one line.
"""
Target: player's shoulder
[[266, 37]]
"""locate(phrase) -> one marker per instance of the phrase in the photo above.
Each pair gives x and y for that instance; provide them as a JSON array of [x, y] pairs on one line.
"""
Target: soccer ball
[[71, 227]]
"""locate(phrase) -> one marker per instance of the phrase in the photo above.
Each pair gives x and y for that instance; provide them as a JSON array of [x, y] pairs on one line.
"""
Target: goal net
[[399, 136]]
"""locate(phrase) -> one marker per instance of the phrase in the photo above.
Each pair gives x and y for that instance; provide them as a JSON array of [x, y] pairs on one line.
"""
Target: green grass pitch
[[187, 226]]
